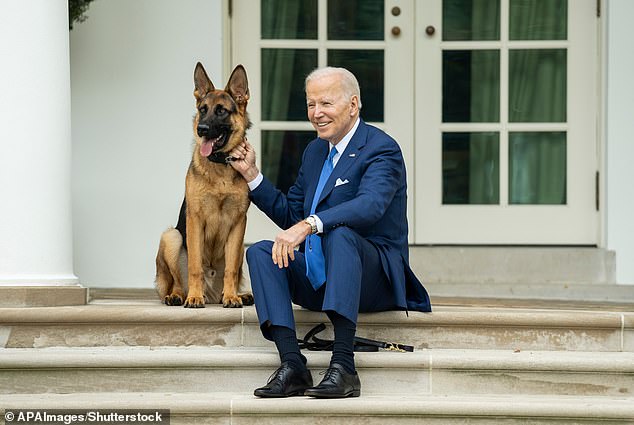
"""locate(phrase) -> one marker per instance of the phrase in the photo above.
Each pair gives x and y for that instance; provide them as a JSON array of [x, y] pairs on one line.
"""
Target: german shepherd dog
[[207, 245]]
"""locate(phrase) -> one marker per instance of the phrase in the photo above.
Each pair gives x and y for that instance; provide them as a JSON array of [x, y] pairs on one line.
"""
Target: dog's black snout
[[202, 129]]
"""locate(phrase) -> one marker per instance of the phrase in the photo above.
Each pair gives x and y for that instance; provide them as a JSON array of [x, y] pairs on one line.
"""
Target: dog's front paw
[[232, 301], [195, 302], [173, 299]]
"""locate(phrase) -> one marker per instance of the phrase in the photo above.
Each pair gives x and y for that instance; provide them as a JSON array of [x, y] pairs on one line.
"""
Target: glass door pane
[[471, 168], [471, 86], [282, 19], [537, 168], [283, 151], [538, 20], [537, 85], [356, 20], [464, 20]]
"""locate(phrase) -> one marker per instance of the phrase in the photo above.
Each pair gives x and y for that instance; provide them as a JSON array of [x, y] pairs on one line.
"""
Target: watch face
[[312, 223]]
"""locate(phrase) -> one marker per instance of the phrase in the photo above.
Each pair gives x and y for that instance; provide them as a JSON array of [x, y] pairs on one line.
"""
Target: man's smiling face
[[329, 111]]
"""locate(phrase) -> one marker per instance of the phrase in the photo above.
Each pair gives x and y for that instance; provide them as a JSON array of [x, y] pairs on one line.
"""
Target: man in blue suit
[[346, 213]]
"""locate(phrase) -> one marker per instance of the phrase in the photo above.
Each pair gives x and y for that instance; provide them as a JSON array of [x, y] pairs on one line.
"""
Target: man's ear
[[202, 83], [238, 85], [354, 105]]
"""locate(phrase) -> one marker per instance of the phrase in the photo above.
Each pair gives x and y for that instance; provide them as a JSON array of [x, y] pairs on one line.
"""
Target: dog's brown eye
[[202, 110], [220, 110]]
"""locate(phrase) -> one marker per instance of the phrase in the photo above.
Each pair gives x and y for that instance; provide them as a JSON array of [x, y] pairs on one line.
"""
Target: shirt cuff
[[253, 184], [319, 223]]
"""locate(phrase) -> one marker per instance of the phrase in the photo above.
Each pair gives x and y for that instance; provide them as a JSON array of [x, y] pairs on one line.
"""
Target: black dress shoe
[[286, 381], [337, 383]]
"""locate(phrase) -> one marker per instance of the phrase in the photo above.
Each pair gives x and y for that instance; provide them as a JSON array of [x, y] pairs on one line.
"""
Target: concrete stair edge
[[234, 404], [203, 357], [540, 291], [443, 315], [451, 327]]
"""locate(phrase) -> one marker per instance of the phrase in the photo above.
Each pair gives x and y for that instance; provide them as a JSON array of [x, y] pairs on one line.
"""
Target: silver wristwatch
[[310, 220]]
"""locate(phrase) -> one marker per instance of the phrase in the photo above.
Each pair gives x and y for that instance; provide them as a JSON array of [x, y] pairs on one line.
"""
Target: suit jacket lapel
[[348, 158], [316, 162]]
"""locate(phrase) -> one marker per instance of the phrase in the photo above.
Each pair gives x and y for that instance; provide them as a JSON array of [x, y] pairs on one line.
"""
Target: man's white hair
[[349, 82]]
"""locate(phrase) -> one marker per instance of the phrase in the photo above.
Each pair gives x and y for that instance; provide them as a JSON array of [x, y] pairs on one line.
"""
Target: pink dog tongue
[[206, 148]]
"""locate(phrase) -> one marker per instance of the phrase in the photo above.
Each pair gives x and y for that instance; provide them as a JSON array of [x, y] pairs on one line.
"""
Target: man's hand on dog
[[286, 242], [244, 161]]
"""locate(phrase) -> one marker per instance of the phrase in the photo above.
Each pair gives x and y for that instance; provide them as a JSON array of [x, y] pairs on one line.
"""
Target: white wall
[[620, 137], [132, 65]]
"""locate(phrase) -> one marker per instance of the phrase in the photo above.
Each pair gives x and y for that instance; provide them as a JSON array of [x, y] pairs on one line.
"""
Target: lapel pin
[[352, 155]]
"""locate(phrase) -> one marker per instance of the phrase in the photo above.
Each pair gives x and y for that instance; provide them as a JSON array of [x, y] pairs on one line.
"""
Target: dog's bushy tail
[[167, 262]]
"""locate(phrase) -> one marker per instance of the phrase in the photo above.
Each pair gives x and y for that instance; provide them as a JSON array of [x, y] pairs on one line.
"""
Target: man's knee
[[259, 249], [339, 237]]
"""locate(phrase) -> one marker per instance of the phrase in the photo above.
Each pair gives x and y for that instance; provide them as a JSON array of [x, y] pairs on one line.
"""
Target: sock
[[286, 342], [343, 349]]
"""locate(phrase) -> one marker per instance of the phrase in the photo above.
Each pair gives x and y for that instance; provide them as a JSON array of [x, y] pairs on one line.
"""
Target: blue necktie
[[315, 263]]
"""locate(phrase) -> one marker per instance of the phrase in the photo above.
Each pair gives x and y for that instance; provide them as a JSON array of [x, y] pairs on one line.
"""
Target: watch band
[[310, 220]]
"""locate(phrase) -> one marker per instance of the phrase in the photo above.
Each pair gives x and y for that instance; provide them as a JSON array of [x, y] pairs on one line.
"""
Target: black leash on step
[[312, 343]]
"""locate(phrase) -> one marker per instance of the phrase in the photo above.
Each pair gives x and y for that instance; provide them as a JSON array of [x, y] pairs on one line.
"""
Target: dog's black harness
[[221, 158]]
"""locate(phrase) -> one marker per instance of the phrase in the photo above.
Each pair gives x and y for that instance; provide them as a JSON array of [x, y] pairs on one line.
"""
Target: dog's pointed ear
[[202, 83], [238, 85]]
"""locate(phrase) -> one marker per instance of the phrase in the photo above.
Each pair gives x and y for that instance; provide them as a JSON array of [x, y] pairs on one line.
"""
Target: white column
[[35, 145], [620, 127]]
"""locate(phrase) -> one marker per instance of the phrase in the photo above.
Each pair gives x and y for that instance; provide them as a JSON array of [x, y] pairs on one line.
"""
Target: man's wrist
[[251, 174], [253, 184], [310, 220]]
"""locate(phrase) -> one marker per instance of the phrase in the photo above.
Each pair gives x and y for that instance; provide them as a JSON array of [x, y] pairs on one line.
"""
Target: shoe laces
[[277, 375], [330, 374]]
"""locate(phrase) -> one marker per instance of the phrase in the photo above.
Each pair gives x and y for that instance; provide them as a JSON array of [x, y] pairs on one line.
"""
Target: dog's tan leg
[[168, 274], [195, 240], [234, 254]]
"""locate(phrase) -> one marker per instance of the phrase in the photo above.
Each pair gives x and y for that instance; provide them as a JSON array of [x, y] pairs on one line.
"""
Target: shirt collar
[[343, 144]]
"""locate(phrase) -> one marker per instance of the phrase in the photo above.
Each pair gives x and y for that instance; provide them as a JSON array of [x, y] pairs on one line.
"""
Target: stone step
[[149, 323], [536, 291], [514, 265], [236, 408], [424, 372]]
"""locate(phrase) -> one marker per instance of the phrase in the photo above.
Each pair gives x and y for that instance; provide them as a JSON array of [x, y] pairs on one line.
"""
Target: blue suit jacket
[[373, 203]]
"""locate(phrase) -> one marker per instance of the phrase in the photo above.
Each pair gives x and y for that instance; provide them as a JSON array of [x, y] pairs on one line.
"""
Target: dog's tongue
[[207, 147]]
